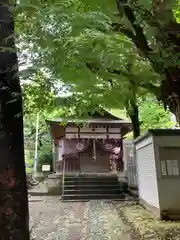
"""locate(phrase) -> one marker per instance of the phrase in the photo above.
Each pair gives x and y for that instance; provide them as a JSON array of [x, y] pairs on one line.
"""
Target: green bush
[[29, 165], [30, 162], [44, 157], [28, 170]]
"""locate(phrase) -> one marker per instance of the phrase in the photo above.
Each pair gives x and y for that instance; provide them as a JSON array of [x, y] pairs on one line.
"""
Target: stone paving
[[93, 220]]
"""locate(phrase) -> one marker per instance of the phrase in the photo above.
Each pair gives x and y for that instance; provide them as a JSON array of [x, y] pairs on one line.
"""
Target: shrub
[[45, 157], [29, 165]]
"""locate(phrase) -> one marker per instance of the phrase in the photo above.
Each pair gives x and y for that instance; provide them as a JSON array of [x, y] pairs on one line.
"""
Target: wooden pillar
[[60, 154], [79, 155], [121, 153], [53, 157]]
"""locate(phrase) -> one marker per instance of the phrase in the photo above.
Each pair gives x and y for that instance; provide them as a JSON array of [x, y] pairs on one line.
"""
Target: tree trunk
[[14, 217], [133, 113], [170, 91], [174, 106]]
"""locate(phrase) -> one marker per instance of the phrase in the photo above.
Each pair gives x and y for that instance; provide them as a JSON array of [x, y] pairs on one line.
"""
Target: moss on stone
[[54, 190], [148, 226]]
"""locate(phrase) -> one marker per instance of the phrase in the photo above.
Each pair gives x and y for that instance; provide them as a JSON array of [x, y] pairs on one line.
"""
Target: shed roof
[[158, 132]]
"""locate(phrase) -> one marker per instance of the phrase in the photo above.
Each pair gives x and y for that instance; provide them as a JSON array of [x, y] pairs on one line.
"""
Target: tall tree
[[82, 34], [92, 55], [14, 219], [162, 48]]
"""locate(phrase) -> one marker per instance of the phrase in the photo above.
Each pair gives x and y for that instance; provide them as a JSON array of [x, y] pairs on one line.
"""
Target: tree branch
[[140, 39], [149, 86], [118, 27]]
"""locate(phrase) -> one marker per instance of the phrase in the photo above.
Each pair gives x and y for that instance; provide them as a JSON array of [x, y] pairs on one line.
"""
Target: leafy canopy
[[89, 45]]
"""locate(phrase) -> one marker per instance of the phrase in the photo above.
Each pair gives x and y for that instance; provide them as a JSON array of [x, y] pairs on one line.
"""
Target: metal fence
[[130, 164]]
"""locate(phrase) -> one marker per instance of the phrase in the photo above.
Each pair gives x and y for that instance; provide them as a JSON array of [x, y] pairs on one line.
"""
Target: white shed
[[158, 170]]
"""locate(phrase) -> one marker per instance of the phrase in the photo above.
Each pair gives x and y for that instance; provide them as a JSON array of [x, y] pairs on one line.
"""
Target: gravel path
[[93, 220]]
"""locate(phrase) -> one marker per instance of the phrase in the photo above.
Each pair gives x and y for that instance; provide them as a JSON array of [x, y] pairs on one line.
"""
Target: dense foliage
[[89, 43], [153, 115], [44, 138], [107, 53]]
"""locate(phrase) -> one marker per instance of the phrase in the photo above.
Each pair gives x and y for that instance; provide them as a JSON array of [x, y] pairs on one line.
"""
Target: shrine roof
[[104, 117]]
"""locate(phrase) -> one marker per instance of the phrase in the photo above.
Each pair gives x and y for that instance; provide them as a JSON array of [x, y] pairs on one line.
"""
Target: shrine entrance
[[92, 155]]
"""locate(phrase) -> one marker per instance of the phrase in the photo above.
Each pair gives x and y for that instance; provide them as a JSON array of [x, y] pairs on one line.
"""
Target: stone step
[[92, 191], [104, 181], [91, 177], [125, 198], [90, 186], [91, 182], [93, 196], [93, 187]]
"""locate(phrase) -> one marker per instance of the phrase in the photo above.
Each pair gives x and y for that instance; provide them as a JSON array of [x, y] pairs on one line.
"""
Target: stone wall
[[54, 183]]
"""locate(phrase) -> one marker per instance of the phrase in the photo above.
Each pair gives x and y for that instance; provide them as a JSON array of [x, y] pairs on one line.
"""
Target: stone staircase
[[87, 187]]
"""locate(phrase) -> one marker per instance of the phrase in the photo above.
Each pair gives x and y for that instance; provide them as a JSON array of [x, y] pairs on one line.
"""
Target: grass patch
[[148, 226]]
